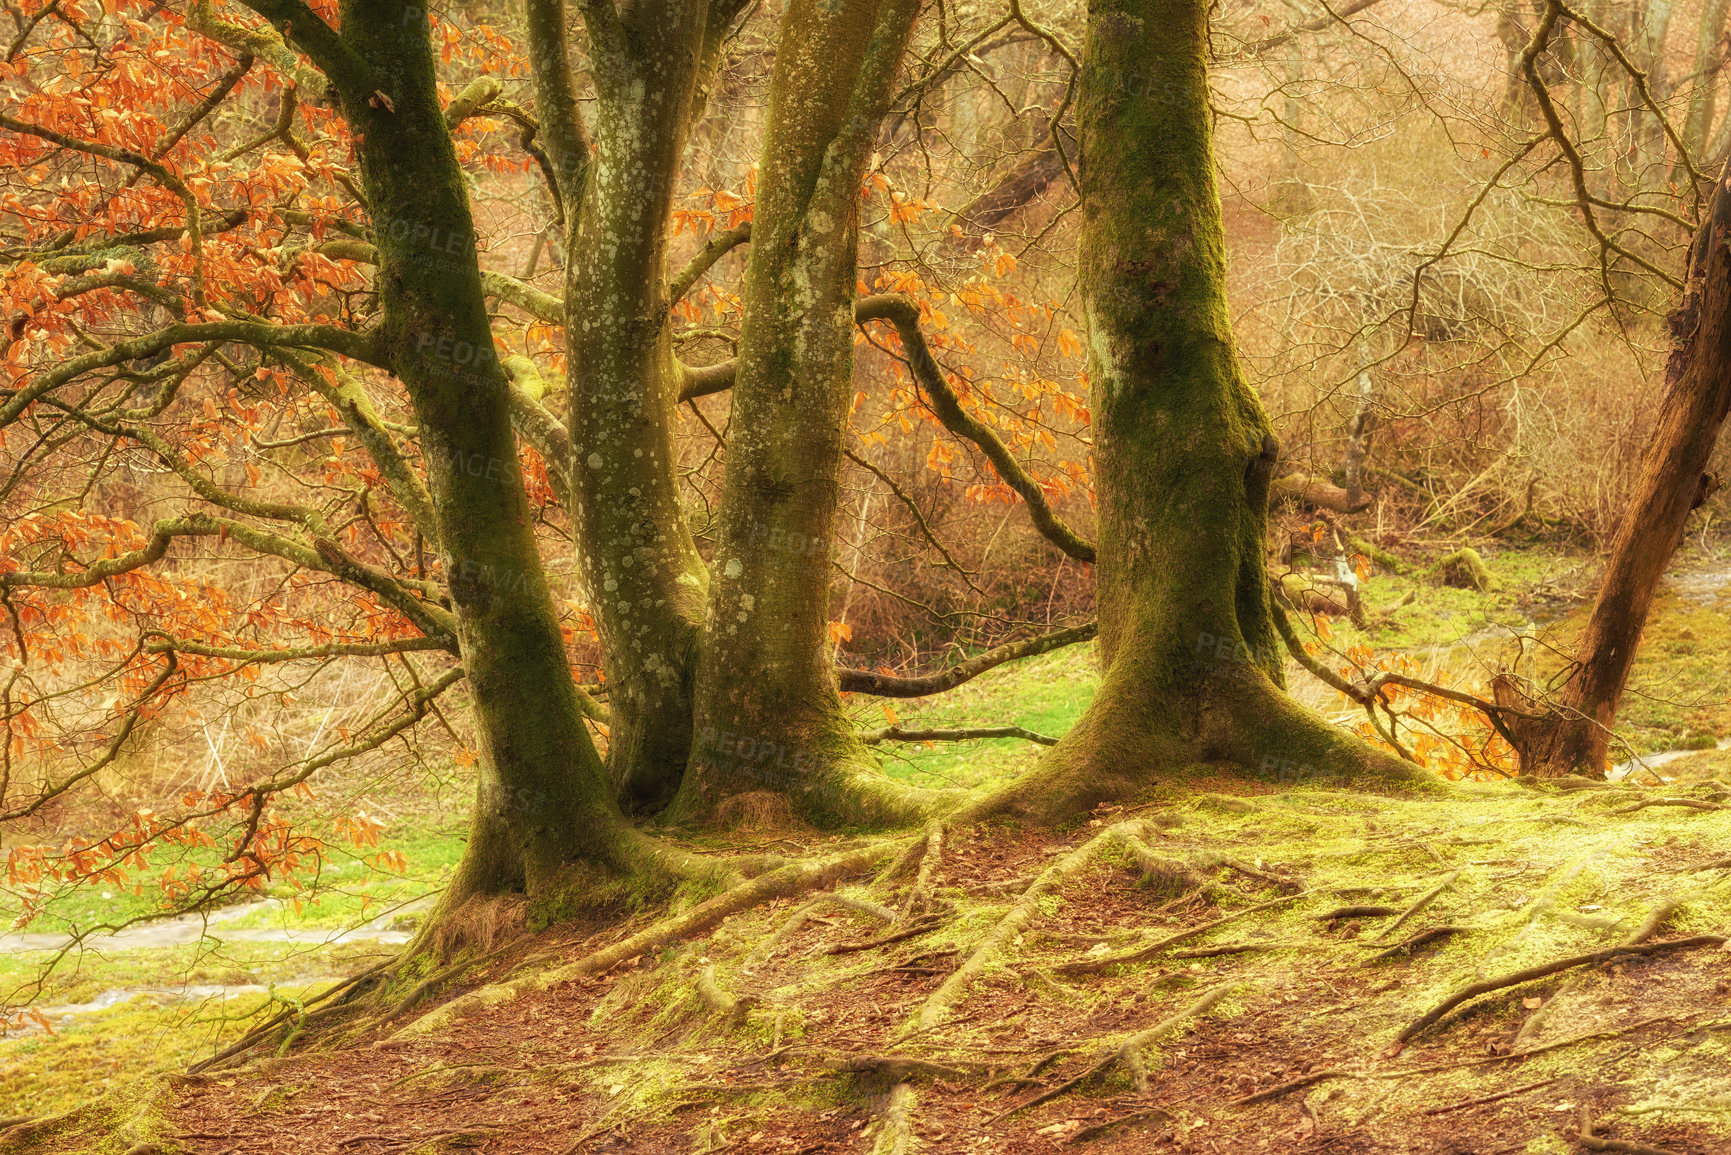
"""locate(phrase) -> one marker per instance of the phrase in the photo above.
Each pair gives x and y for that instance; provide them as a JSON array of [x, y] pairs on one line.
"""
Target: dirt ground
[[1279, 1016]]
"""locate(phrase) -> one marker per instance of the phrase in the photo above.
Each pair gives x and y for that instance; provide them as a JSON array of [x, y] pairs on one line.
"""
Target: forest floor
[[1227, 967], [1235, 976]]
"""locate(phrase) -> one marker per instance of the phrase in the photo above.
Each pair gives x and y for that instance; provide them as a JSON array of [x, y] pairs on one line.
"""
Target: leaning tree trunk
[[543, 798], [1574, 734], [768, 713], [1183, 452]]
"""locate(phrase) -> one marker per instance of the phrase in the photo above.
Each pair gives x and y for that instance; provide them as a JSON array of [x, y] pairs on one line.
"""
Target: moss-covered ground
[[811, 1047], [891, 1030]]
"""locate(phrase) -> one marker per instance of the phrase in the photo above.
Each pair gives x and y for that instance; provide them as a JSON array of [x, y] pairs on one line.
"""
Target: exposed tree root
[[766, 949], [1592, 1142], [888, 1068], [1481, 1100], [1297, 1084], [1236, 948], [1405, 949], [796, 878], [1099, 1129], [1419, 904], [730, 1008], [922, 926], [1128, 1053], [920, 895], [952, 734], [1545, 970], [1342, 913], [1107, 962], [955, 988], [896, 1126], [1690, 803], [1649, 927], [259, 1034], [1315, 1077]]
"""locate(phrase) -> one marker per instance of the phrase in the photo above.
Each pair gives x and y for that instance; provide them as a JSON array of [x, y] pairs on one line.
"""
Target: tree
[[1190, 638], [252, 281], [1571, 731]]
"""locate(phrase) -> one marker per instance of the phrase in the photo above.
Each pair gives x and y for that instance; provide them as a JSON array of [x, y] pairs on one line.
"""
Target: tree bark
[[543, 798], [1573, 736], [644, 579], [1183, 452], [768, 713]]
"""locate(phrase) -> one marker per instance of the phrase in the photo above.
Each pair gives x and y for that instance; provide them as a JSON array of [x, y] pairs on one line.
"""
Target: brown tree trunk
[[1574, 734]]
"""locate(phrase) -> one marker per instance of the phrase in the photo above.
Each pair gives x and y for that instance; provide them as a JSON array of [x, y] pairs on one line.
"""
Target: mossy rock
[[1464, 569]]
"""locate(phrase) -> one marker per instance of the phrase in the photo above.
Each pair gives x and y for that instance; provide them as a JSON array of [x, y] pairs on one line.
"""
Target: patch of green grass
[[1046, 694], [345, 887], [42, 1073]]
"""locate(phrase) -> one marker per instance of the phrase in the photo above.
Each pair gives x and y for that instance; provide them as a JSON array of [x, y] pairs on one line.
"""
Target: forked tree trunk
[[1574, 735], [1183, 452], [768, 713]]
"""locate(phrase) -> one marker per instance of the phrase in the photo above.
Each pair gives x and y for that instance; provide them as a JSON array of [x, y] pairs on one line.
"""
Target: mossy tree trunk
[[1574, 735], [544, 799], [1183, 452], [646, 584], [768, 713]]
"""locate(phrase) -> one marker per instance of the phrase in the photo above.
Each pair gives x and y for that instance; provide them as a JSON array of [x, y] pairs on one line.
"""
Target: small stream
[[210, 927], [186, 993], [190, 928]]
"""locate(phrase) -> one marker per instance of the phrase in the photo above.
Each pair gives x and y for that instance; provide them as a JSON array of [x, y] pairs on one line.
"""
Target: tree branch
[[719, 246], [340, 63], [891, 686], [357, 346], [897, 734], [904, 313], [1333, 16], [561, 125]]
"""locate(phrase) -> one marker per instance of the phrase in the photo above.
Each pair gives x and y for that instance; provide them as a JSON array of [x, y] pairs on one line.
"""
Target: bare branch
[[965, 734], [891, 686]]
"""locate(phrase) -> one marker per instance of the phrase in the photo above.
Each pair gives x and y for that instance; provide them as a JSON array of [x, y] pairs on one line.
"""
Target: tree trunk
[[1574, 735], [768, 713], [1704, 88], [544, 798], [645, 581], [1183, 452]]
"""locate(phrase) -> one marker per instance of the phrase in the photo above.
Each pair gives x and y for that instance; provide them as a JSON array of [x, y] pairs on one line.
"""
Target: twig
[[1128, 1052], [1593, 1143], [1474, 990], [1483, 1099]]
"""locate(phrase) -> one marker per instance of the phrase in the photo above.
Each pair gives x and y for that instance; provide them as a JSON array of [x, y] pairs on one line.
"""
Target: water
[[191, 928], [164, 933]]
